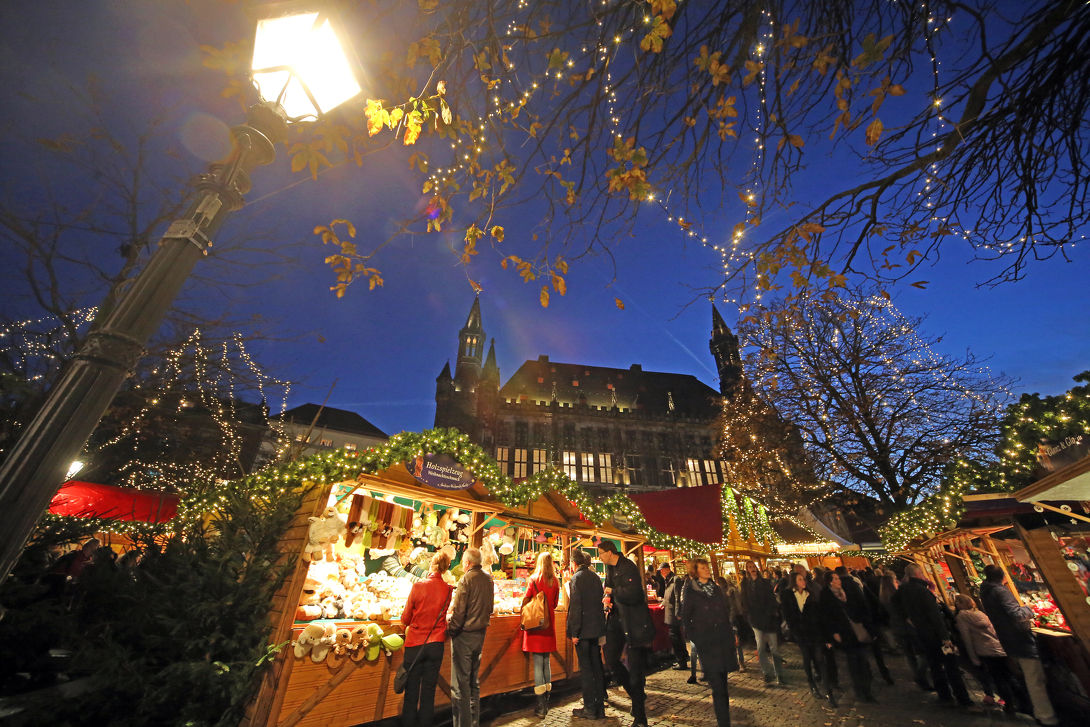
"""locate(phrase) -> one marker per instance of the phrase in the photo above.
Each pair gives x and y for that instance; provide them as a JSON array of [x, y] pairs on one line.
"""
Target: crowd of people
[[833, 616]]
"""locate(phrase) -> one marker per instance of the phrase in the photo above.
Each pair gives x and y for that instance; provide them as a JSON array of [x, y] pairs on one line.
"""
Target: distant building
[[333, 429], [609, 428]]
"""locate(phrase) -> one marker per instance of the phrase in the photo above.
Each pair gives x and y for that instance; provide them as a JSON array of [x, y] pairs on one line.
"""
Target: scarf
[[708, 588], [839, 593]]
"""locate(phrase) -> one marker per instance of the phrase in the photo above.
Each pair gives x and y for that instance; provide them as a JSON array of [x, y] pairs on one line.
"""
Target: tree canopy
[[946, 124]]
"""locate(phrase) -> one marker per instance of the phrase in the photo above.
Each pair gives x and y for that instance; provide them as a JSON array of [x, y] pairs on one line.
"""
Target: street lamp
[[300, 71]]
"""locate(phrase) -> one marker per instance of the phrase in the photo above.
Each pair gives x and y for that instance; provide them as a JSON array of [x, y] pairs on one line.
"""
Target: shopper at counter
[[628, 623], [425, 634], [924, 616], [586, 625], [473, 603], [541, 643], [1014, 626]]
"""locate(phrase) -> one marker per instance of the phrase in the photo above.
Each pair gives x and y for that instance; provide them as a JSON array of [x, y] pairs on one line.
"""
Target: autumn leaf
[[475, 285], [921, 284], [375, 116], [824, 60], [874, 132], [497, 232], [557, 59], [660, 31], [619, 303], [665, 8], [559, 285], [544, 297], [705, 59], [562, 265], [414, 123], [752, 69], [873, 50]]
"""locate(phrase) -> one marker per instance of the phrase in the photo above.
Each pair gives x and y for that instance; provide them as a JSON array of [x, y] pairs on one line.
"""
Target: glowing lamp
[[299, 63]]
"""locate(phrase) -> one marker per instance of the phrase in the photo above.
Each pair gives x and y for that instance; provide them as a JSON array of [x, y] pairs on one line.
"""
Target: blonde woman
[[541, 643]]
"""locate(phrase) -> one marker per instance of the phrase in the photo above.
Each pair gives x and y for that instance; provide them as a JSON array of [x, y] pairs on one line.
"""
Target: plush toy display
[[311, 639], [324, 531], [341, 641], [309, 607], [357, 646]]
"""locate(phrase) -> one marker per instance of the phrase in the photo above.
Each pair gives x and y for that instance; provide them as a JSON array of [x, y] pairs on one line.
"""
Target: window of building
[[570, 463], [520, 464], [503, 457], [586, 462], [605, 468], [350, 446], [569, 434], [541, 460], [632, 473], [711, 471], [693, 468], [325, 442], [669, 474], [522, 434]]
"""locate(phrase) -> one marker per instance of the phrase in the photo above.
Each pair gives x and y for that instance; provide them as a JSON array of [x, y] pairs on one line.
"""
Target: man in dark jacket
[[664, 579], [586, 624], [1013, 625], [863, 608], [473, 601], [671, 607], [764, 616], [802, 612], [629, 622], [923, 615]]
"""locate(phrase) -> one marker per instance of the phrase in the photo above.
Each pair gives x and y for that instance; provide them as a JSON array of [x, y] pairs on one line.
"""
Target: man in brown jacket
[[468, 621]]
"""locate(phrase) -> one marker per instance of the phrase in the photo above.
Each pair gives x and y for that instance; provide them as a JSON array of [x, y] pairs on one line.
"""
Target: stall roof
[[1072, 483], [92, 500], [689, 512]]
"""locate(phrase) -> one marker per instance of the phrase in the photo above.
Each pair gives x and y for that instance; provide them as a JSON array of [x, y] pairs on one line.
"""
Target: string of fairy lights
[[1027, 425], [32, 345], [749, 518]]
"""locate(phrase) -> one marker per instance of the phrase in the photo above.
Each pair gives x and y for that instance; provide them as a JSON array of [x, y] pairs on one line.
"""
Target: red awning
[[690, 512], [87, 499]]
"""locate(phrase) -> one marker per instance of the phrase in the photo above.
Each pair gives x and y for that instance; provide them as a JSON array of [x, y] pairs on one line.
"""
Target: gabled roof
[[338, 420], [599, 386]]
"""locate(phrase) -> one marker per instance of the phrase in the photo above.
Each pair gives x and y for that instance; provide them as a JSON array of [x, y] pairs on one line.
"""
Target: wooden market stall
[[301, 691]]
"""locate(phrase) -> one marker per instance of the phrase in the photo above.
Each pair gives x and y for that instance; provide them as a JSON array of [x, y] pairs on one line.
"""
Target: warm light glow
[[73, 469], [299, 53]]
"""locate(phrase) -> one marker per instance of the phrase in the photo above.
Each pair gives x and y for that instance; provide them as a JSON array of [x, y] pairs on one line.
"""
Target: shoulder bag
[[535, 613]]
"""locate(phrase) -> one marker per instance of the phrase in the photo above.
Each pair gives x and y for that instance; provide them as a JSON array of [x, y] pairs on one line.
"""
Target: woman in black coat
[[706, 617], [849, 637], [801, 609]]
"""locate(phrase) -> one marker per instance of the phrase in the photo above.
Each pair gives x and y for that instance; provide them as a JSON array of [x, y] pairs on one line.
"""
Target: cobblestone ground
[[671, 701]]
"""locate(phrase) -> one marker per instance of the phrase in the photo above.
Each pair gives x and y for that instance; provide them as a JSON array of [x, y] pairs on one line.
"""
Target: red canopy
[[690, 512], [87, 499]]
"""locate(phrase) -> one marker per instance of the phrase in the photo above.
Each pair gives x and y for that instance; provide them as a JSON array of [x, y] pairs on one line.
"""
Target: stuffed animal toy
[[374, 641], [357, 645], [309, 607], [321, 649], [418, 527], [391, 643], [324, 531], [507, 543], [434, 534], [310, 637], [341, 641], [488, 555], [459, 522]]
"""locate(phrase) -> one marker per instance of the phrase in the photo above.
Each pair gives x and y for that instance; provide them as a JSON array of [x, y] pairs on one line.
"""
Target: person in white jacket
[[983, 649]]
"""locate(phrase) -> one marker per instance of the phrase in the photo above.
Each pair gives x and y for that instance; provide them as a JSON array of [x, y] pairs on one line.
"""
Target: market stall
[[341, 609]]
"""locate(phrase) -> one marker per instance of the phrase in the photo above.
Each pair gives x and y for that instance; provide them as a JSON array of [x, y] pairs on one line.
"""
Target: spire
[[444, 375], [473, 321], [719, 326], [490, 366]]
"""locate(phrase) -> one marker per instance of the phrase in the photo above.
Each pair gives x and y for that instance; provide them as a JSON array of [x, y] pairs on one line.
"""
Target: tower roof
[[473, 321], [719, 326], [445, 375], [490, 366]]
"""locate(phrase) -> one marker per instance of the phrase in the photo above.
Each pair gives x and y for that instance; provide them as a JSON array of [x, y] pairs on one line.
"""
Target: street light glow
[[300, 64]]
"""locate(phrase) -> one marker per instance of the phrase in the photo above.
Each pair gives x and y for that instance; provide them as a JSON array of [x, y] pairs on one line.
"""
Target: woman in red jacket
[[425, 622], [541, 643]]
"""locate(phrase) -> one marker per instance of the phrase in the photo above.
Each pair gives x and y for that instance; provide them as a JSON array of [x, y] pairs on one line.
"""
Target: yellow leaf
[[660, 31], [665, 8], [375, 116], [559, 285], [497, 232], [414, 122], [475, 285], [874, 132], [619, 303], [544, 297], [796, 140]]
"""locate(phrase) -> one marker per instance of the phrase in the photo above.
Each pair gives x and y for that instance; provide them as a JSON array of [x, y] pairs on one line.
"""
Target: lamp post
[[300, 71]]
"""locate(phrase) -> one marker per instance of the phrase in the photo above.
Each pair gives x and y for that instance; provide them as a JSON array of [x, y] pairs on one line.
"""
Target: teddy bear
[[357, 644], [436, 531], [341, 640], [310, 639], [457, 523], [507, 542], [331, 598], [321, 649], [324, 531]]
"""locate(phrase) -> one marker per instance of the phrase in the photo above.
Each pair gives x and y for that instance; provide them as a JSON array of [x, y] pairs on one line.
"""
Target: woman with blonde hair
[[540, 643]]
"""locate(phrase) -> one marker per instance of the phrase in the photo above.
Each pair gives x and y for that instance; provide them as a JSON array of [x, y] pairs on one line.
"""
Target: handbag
[[861, 633], [401, 676], [534, 614]]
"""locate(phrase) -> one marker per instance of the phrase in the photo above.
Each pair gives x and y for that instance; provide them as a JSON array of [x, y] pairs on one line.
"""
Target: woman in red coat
[[425, 624], [541, 643]]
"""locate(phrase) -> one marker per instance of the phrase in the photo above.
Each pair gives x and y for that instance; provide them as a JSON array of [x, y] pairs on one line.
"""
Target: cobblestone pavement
[[671, 701]]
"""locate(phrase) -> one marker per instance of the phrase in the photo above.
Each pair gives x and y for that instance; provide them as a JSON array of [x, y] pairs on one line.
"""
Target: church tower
[[728, 360], [456, 397]]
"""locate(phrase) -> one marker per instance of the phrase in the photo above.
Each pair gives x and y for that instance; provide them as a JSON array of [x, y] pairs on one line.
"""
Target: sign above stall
[[442, 472]]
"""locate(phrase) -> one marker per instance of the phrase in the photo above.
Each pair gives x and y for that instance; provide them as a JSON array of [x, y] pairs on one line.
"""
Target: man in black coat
[[671, 607], [802, 612], [921, 610], [764, 616], [587, 624], [863, 608], [629, 622]]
